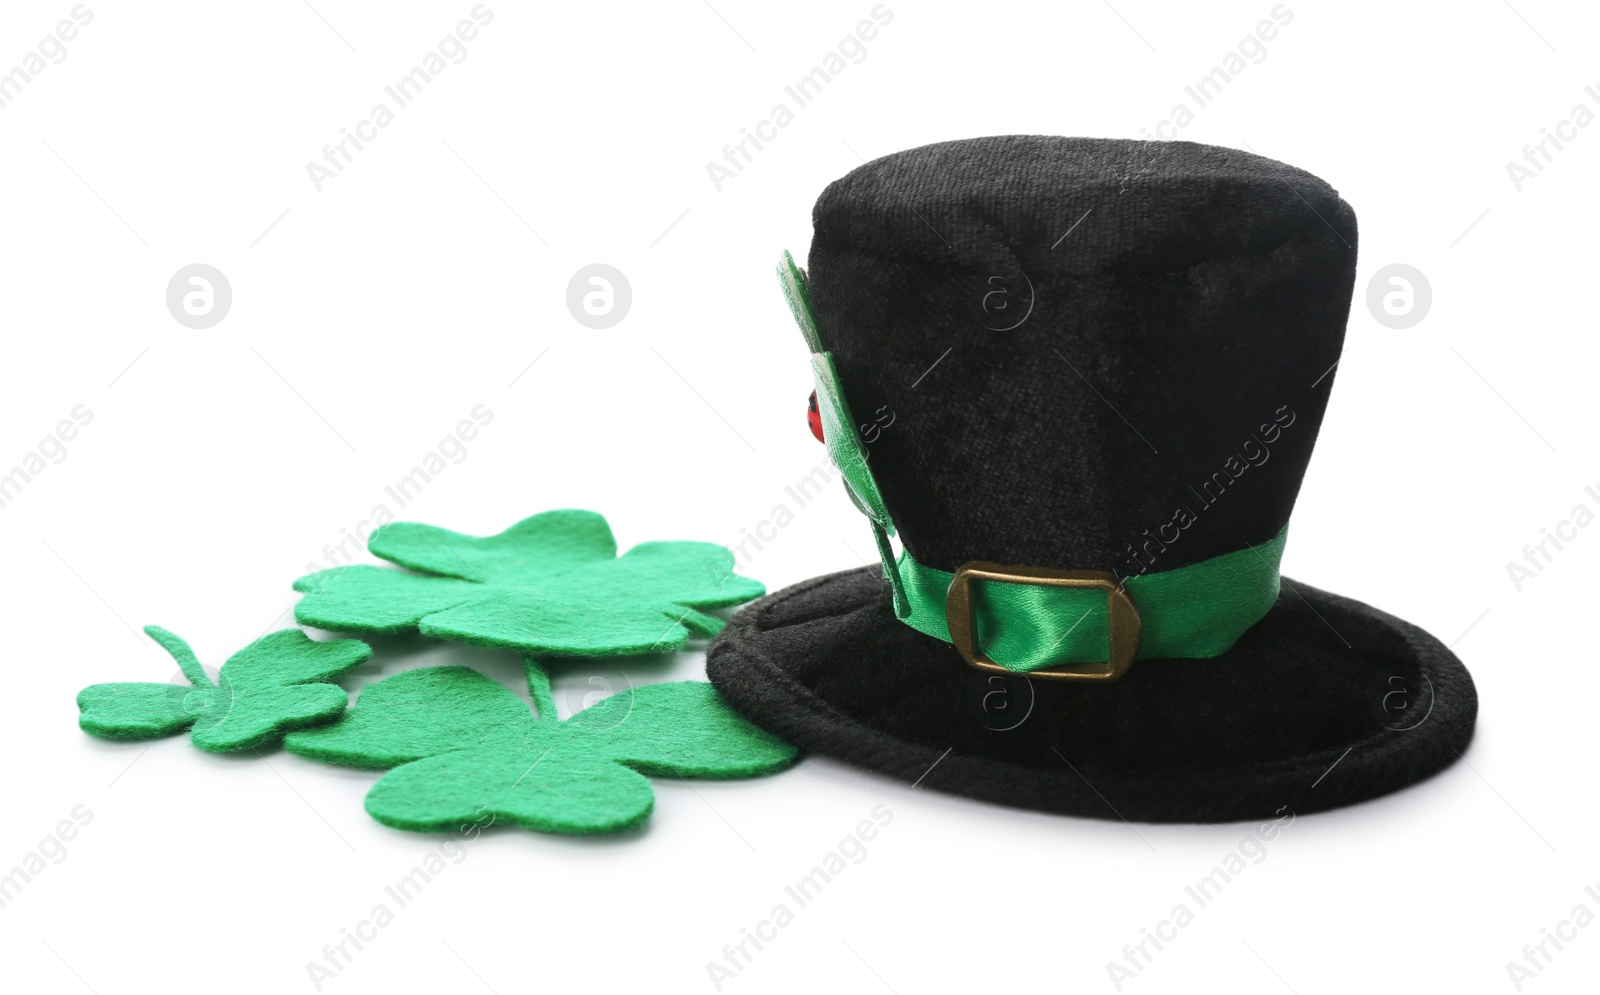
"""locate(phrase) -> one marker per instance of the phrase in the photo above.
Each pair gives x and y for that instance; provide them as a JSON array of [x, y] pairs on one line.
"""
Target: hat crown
[[1083, 353]]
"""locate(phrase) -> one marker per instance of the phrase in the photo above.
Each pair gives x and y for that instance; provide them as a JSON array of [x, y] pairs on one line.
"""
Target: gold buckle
[[1122, 616]]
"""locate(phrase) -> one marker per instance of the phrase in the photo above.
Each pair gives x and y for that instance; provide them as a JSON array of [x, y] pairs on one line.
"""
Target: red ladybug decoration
[[814, 417]]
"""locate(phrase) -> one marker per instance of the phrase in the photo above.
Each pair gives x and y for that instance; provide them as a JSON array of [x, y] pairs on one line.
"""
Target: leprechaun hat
[[1080, 381]]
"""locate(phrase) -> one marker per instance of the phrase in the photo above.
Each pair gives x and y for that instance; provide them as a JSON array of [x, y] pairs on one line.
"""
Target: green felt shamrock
[[463, 747], [551, 585], [275, 684]]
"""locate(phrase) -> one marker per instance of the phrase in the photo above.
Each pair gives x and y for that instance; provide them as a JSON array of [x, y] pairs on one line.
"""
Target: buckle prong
[[1121, 614]]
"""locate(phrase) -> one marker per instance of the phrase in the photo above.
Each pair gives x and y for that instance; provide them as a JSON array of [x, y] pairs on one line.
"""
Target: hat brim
[[1324, 702]]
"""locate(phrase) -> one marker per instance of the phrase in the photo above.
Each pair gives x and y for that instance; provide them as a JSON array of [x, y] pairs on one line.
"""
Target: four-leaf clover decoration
[[552, 584], [275, 684], [463, 747]]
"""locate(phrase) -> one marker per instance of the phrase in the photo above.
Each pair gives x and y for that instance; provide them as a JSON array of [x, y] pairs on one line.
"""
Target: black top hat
[[1081, 379]]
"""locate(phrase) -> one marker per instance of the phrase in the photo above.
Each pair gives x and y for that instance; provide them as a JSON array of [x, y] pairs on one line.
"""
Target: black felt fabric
[[1200, 292], [1157, 405], [1251, 734]]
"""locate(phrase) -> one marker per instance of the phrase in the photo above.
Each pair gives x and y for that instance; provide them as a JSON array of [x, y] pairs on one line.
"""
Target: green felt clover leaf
[[277, 683], [460, 747], [552, 584]]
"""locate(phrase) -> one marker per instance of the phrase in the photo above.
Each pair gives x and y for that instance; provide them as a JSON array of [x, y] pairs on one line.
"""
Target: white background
[[374, 315]]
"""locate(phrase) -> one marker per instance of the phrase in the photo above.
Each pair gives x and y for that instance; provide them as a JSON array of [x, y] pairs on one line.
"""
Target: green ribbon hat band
[[1195, 611]]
